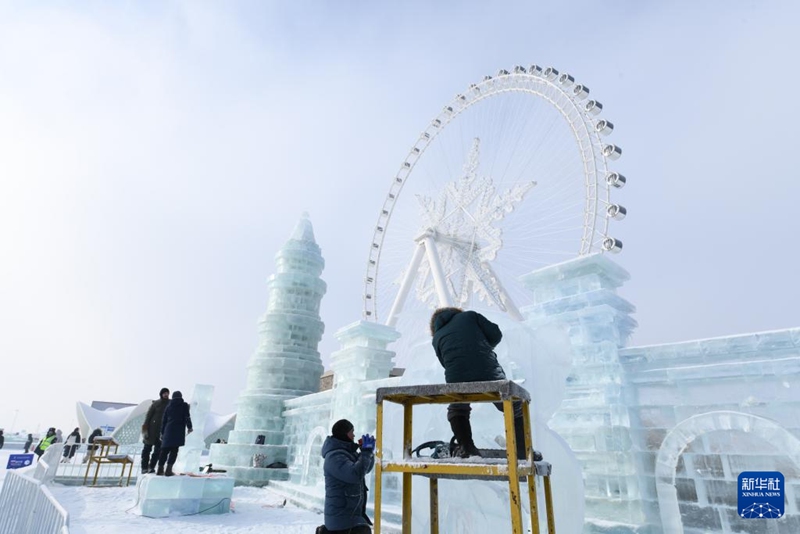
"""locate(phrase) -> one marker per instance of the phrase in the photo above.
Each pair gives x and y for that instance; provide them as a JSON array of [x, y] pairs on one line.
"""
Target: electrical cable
[[139, 495]]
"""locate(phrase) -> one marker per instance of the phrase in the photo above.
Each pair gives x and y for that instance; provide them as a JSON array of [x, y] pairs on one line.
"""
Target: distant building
[[103, 405], [123, 421]]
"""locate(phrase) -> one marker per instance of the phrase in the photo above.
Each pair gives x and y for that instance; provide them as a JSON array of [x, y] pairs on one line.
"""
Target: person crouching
[[345, 489]]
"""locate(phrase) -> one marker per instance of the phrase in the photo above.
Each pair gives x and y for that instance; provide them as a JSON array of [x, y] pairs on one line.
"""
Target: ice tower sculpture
[[286, 363], [581, 296]]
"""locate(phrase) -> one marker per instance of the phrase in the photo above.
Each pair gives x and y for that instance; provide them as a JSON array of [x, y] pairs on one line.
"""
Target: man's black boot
[[463, 433]]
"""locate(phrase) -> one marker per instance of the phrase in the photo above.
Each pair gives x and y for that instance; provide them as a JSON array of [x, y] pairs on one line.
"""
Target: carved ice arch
[[690, 429], [317, 434]]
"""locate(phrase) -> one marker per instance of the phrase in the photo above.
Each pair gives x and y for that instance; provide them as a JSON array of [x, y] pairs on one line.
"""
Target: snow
[[109, 510]]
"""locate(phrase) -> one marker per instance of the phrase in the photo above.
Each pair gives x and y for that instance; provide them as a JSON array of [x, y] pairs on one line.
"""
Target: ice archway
[[312, 461], [690, 429]]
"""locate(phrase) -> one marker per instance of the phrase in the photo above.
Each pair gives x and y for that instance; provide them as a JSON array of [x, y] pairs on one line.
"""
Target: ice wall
[[704, 411], [286, 363]]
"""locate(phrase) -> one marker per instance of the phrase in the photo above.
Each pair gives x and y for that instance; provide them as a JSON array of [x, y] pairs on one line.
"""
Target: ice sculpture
[[660, 433], [362, 359], [704, 411], [200, 406], [183, 495], [286, 363], [580, 297]]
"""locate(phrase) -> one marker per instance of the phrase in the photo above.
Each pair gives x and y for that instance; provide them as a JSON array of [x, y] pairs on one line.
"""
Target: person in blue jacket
[[464, 342], [175, 425], [345, 489]]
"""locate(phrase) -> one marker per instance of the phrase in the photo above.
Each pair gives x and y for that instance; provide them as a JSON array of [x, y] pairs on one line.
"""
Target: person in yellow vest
[[48, 440]]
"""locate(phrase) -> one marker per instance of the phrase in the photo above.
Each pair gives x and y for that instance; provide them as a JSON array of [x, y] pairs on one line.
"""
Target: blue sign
[[761, 495], [15, 461]]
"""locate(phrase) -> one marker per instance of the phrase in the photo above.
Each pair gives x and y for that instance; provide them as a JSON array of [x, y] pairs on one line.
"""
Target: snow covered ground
[[110, 510]]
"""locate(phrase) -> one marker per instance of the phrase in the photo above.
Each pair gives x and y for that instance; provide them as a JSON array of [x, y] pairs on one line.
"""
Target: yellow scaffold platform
[[507, 467]]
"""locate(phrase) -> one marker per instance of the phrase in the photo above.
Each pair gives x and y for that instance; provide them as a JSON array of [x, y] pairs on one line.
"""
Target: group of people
[[464, 342], [165, 427], [164, 431], [71, 446]]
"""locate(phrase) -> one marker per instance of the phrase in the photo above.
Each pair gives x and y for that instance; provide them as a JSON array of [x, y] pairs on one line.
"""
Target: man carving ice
[[464, 342]]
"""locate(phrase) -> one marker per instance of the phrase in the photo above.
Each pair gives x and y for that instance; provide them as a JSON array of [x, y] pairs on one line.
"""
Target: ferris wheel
[[511, 176]]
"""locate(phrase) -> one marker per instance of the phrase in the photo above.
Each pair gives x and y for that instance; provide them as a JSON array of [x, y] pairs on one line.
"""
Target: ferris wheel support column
[[405, 286], [465, 297], [505, 298], [445, 301]]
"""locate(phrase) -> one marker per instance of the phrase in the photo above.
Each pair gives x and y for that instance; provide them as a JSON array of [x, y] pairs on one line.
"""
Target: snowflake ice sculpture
[[461, 224], [762, 510]]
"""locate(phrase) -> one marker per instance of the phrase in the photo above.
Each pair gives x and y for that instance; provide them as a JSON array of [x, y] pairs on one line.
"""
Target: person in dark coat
[[345, 490], [72, 444], [175, 424], [28, 443], [2, 439], [464, 342], [90, 446], [151, 431]]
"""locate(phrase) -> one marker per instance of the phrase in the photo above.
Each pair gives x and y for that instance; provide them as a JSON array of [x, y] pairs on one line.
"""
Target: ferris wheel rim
[[587, 133]]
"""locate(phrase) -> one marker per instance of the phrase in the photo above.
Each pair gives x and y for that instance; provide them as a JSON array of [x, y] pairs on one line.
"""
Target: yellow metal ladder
[[511, 468]]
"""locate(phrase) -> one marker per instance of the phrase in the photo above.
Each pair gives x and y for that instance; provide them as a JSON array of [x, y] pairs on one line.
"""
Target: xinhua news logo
[[761, 495]]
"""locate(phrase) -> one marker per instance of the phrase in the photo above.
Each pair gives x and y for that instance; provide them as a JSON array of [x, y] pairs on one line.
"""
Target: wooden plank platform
[[492, 391]]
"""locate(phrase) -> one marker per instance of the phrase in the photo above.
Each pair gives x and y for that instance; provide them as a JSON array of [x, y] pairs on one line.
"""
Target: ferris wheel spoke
[[543, 236]]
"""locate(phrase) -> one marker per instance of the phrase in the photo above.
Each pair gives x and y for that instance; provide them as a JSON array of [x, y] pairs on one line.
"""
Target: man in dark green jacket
[[151, 432], [464, 342]]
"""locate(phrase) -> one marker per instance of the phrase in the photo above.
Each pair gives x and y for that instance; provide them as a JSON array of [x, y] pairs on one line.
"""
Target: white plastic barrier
[[28, 507], [47, 465]]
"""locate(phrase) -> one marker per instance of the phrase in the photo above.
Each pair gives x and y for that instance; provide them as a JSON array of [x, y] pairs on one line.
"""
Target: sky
[[154, 156]]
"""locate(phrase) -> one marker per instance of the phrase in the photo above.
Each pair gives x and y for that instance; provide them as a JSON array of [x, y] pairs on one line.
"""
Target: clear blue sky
[[155, 155]]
